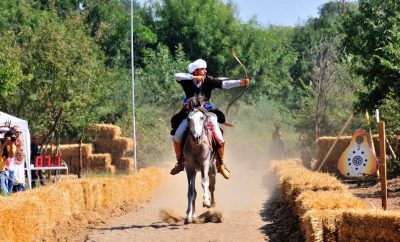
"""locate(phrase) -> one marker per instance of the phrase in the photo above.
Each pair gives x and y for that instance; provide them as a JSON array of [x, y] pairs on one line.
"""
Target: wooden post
[[334, 143], [382, 163], [80, 167], [371, 140]]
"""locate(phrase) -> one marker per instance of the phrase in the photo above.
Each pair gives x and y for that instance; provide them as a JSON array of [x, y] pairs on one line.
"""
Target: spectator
[[305, 152], [35, 151], [9, 154], [278, 147], [3, 174], [19, 171], [19, 140]]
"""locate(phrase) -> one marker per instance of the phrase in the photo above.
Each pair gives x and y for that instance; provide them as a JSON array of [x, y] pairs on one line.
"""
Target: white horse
[[199, 156]]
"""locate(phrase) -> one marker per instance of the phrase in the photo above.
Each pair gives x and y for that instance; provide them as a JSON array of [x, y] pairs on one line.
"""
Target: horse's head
[[196, 119]]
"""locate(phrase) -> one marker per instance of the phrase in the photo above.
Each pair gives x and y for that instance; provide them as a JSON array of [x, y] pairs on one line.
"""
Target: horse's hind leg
[[191, 176], [212, 178]]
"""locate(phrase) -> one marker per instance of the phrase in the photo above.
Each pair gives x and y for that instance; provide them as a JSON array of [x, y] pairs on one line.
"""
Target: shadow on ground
[[281, 224]]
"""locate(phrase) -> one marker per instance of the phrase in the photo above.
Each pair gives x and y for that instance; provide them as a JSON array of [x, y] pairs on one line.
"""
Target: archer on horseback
[[197, 83]]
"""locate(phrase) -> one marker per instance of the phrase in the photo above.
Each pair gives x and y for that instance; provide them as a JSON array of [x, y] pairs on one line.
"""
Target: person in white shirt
[[198, 83]]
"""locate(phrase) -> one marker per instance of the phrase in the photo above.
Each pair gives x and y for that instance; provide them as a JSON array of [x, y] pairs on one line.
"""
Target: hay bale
[[125, 164], [369, 225], [110, 169], [323, 146], [326, 200], [107, 131], [73, 150], [295, 180], [320, 225], [32, 215], [99, 160]]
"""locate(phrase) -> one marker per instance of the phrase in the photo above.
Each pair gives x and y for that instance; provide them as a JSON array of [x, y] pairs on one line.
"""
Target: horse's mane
[[196, 102]]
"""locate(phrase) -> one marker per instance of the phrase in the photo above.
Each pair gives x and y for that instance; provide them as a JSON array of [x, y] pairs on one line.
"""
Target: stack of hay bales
[[32, 215], [109, 140], [324, 144], [90, 161], [315, 198]]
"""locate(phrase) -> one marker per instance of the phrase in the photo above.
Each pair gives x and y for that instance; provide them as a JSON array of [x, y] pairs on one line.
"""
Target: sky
[[279, 12]]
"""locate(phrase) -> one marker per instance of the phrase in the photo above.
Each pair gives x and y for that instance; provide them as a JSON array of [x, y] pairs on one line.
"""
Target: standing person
[[19, 171], [198, 83], [3, 173], [19, 142], [278, 147], [35, 151], [9, 152]]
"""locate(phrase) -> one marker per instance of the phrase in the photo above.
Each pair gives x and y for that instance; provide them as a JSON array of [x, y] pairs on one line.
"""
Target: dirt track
[[240, 199]]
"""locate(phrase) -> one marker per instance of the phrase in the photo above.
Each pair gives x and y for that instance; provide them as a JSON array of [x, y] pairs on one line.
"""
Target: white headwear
[[196, 65]]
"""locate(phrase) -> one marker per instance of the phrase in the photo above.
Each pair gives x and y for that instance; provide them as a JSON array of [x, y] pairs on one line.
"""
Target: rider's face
[[200, 72]]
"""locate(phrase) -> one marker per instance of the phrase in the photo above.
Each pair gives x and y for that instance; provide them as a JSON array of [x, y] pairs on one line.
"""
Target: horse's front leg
[[212, 176], [205, 184], [191, 176]]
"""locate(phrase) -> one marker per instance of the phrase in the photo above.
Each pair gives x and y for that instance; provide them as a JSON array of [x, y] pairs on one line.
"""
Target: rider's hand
[[244, 82], [199, 79]]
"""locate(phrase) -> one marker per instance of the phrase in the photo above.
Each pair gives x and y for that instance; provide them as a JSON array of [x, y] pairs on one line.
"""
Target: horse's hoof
[[213, 204], [188, 220], [206, 204]]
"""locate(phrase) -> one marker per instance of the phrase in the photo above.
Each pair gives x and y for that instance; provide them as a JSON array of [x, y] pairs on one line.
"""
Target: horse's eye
[[201, 118]]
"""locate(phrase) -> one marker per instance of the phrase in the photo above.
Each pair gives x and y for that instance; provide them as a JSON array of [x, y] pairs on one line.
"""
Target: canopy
[[23, 124]]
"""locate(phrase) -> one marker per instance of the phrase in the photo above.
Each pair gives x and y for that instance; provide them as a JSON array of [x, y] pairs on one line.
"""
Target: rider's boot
[[179, 166], [220, 162]]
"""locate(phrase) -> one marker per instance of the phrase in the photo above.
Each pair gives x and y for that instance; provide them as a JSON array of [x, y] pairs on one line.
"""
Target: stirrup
[[177, 168]]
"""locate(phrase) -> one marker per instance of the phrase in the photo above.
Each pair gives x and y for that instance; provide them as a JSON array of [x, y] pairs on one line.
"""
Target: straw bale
[[107, 131], [31, 215], [125, 165], [320, 225], [293, 183], [120, 147], [369, 225], [110, 169], [73, 163], [73, 150], [101, 160], [323, 200], [323, 146], [16, 213], [92, 193]]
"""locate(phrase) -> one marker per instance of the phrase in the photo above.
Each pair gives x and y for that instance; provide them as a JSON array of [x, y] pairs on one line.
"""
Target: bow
[[244, 88]]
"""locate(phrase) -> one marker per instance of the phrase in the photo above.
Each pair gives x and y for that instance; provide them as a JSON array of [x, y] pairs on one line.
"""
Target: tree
[[323, 82], [204, 28], [68, 77], [372, 37]]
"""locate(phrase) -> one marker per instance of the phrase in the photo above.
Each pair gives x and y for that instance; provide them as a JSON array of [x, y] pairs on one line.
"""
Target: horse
[[199, 156]]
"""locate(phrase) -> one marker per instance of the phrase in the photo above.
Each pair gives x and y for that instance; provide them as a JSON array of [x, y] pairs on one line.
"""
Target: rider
[[196, 82]]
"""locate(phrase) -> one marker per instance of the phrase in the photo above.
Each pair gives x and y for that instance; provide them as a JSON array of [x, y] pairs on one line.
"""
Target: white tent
[[23, 124]]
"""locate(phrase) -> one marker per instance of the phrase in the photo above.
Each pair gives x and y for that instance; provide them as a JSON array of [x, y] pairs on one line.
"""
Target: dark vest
[[205, 90]]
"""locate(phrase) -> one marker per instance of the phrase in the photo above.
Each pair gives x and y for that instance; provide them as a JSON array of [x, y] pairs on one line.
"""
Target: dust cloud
[[251, 184]]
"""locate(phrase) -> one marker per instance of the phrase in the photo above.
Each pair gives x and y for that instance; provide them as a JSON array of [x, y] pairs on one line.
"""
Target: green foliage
[[373, 37], [323, 82], [11, 73], [64, 69], [203, 28]]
